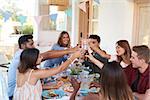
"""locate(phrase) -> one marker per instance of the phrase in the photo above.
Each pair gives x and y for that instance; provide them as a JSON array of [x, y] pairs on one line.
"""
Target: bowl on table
[[50, 94], [68, 87], [84, 92]]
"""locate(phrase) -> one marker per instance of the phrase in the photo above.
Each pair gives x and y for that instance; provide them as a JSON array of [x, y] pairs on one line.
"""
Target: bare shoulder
[[37, 71]]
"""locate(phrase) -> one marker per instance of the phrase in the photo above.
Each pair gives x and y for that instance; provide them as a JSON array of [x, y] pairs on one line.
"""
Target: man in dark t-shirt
[[95, 39], [140, 60]]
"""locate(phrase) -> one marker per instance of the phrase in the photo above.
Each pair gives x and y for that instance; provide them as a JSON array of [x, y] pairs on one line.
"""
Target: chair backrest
[[3, 87], [3, 59]]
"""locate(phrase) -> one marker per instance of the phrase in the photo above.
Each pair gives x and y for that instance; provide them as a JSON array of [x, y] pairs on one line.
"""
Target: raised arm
[[76, 86], [145, 96], [100, 52], [44, 73], [57, 53], [95, 61]]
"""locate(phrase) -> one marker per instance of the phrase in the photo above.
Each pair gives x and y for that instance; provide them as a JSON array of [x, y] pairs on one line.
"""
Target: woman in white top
[[123, 53], [123, 57], [28, 85]]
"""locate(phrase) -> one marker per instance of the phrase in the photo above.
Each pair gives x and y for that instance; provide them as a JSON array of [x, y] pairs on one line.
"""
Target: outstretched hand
[[89, 56], [76, 48], [79, 53], [75, 84]]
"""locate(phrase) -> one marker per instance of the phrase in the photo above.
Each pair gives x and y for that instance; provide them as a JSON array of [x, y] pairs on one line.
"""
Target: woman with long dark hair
[[113, 84], [28, 85], [62, 43], [123, 53], [64, 39]]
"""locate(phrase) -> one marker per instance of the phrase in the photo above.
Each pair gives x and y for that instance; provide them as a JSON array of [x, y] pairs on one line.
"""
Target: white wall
[[43, 38], [46, 39], [116, 20]]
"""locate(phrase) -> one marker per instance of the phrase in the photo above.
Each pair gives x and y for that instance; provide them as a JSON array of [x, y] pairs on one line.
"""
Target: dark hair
[[28, 59], [125, 45], [95, 37], [114, 83], [23, 39], [143, 52], [60, 39]]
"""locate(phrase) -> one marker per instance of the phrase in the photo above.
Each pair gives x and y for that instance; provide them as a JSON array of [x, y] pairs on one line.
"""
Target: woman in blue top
[[62, 43]]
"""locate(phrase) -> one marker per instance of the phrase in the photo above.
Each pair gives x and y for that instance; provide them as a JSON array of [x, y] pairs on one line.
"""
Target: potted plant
[[27, 29]]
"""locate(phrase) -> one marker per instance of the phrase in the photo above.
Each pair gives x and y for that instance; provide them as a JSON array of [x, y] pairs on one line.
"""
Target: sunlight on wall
[[22, 7], [116, 21]]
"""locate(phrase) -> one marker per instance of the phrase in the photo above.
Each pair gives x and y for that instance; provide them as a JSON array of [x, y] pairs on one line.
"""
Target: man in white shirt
[[24, 42]]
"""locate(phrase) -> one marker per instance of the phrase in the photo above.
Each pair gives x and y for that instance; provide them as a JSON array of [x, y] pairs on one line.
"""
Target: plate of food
[[69, 89], [49, 94], [84, 92]]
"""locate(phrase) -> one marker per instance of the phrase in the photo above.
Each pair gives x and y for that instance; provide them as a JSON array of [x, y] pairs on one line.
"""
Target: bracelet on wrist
[[70, 60]]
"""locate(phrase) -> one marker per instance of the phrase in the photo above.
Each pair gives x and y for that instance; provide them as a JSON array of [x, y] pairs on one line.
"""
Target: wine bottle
[[86, 53]]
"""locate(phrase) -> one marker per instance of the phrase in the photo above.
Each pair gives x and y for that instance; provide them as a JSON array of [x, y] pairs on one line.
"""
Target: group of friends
[[124, 76]]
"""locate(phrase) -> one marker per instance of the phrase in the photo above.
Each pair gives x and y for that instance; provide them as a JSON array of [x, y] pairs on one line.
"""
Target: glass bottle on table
[[85, 47]]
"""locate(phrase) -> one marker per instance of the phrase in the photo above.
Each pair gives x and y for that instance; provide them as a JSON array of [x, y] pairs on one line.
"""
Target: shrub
[[27, 29]]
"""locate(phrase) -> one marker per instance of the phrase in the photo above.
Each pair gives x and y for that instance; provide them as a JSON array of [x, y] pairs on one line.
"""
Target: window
[[61, 19], [94, 20], [141, 32]]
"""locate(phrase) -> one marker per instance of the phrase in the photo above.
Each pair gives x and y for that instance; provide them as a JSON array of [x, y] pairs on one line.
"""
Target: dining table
[[61, 89]]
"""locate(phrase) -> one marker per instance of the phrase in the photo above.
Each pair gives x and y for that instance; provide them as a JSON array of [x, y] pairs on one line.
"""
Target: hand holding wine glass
[[85, 46]]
